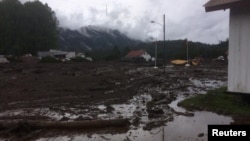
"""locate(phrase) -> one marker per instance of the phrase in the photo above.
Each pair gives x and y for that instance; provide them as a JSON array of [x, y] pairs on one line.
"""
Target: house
[[138, 55], [239, 42], [61, 55]]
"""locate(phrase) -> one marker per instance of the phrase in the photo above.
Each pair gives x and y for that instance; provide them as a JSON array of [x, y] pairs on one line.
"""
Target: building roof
[[135, 53], [51, 53], [213, 5]]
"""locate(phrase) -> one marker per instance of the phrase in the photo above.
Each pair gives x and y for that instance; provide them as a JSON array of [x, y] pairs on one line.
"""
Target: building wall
[[147, 56], [239, 51]]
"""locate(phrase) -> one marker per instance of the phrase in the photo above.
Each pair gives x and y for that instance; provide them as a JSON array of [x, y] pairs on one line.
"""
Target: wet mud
[[80, 92]]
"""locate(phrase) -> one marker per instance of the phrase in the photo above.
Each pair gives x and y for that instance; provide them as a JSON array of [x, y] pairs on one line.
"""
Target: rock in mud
[[200, 135], [64, 119], [158, 97], [136, 121], [110, 109], [155, 112], [153, 124]]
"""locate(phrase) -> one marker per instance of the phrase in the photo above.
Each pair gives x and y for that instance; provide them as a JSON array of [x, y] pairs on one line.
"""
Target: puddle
[[138, 103], [127, 110], [207, 83], [184, 128], [174, 105], [181, 129], [201, 86], [133, 135]]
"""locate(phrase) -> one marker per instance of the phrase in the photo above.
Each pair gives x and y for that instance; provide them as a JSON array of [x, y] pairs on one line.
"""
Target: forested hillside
[[178, 49], [32, 26]]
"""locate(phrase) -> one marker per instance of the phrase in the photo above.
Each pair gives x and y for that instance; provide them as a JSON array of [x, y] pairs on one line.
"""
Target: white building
[[239, 42], [57, 53]]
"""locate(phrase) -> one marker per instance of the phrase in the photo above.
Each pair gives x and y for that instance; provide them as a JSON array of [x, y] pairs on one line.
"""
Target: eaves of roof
[[214, 5]]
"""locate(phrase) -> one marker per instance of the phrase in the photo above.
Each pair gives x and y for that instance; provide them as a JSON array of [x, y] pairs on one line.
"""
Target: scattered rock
[[64, 119], [155, 112], [200, 135], [136, 121], [81, 118], [79, 95], [153, 124], [110, 109], [158, 97]]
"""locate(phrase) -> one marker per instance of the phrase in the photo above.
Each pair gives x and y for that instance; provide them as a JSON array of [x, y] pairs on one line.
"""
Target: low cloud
[[184, 19]]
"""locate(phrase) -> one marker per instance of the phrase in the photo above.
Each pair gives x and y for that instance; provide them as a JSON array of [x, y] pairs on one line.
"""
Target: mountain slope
[[93, 38]]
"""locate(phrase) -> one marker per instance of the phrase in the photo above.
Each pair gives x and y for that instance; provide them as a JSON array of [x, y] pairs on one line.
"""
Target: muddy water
[[185, 128], [182, 128]]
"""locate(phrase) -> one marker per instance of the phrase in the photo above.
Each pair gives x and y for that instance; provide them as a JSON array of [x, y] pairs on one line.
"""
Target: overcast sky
[[184, 18]]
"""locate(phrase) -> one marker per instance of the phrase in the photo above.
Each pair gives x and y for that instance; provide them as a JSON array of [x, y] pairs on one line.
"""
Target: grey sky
[[184, 18]]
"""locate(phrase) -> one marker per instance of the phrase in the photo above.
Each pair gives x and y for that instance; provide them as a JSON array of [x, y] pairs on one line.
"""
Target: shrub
[[78, 59], [49, 59]]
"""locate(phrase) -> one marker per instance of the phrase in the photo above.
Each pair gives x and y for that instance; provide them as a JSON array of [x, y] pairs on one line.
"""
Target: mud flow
[[105, 101]]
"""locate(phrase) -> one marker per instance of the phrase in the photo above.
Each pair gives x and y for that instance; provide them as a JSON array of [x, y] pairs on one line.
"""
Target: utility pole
[[164, 46], [187, 65], [155, 55], [164, 61]]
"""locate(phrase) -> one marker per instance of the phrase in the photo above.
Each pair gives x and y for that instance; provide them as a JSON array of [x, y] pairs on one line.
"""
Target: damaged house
[[138, 55], [61, 55]]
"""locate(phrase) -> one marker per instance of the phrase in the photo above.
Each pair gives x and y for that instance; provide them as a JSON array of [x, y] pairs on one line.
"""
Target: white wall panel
[[239, 51]]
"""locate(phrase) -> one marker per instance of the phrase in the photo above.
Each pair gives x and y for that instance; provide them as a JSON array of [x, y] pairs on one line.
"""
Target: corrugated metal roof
[[213, 5]]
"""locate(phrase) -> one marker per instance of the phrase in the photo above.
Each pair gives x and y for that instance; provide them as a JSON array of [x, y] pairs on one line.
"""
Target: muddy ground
[[95, 91]]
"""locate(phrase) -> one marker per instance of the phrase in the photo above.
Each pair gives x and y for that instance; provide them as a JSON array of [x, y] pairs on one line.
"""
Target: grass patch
[[218, 101]]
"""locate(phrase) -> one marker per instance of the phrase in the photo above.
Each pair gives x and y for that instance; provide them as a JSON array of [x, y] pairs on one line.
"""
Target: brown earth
[[78, 88]]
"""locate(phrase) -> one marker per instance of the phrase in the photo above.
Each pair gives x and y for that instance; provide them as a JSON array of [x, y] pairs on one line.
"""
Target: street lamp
[[155, 55], [163, 25]]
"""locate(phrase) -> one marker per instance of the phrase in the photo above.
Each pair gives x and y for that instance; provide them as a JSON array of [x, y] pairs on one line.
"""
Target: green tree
[[115, 54], [10, 29], [41, 27], [126, 51], [26, 28]]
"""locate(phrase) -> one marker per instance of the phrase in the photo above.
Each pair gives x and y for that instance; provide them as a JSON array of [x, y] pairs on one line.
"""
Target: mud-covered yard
[[42, 101]]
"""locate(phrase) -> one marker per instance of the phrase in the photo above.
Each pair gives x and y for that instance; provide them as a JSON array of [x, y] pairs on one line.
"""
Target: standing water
[[182, 128]]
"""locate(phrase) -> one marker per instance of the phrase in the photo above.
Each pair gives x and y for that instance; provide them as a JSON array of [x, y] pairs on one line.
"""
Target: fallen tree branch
[[5, 125]]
